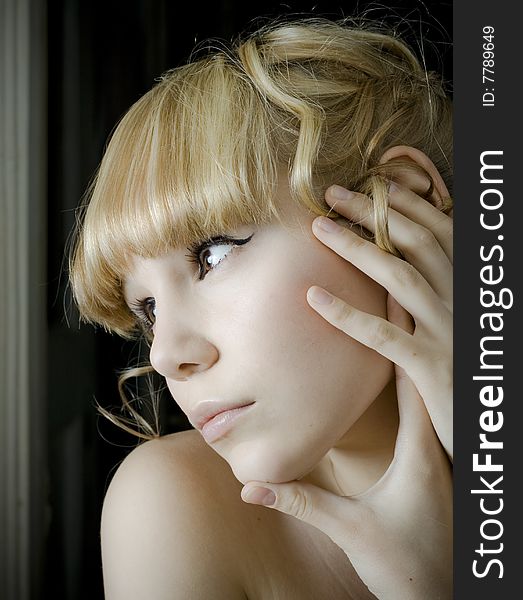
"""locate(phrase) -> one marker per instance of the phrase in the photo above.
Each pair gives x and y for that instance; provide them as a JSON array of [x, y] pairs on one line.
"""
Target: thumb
[[337, 516]]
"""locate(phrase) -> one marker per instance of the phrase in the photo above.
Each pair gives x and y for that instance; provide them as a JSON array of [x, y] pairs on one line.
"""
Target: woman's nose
[[178, 353]]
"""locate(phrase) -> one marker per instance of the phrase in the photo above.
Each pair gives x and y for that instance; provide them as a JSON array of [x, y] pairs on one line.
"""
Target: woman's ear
[[412, 179]]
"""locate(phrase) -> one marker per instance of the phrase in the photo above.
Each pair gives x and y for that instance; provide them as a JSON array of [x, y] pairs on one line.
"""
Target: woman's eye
[[145, 310], [213, 255], [210, 253]]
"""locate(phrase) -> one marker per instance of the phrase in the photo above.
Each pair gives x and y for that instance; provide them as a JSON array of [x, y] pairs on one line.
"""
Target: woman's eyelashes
[[210, 253], [207, 255], [145, 310]]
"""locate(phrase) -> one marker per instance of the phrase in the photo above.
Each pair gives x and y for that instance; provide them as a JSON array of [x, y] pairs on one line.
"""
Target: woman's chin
[[250, 464]]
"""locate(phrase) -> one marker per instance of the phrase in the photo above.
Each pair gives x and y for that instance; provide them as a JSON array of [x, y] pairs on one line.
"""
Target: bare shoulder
[[180, 460], [164, 532]]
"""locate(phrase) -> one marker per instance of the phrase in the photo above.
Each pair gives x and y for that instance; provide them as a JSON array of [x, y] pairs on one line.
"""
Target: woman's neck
[[365, 452]]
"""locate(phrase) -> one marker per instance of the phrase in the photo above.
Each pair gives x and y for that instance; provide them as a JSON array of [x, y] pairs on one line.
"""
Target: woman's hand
[[398, 533], [423, 286]]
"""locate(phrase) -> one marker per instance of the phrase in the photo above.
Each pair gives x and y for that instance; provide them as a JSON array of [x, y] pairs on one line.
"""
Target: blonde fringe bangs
[[191, 159], [201, 152]]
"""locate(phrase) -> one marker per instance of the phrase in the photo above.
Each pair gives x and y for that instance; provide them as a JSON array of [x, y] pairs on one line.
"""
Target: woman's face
[[245, 334]]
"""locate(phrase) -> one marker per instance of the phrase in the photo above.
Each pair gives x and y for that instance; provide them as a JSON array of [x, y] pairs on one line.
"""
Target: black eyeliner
[[139, 309], [197, 248]]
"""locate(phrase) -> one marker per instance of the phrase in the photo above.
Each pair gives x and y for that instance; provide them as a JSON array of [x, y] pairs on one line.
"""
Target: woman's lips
[[222, 423]]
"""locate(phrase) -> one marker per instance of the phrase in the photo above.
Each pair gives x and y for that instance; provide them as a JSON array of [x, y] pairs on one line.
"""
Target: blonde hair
[[200, 153]]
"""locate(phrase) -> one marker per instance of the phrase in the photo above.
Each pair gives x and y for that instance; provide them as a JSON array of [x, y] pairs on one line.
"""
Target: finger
[[397, 276], [419, 448], [341, 518], [377, 333], [409, 400], [408, 394], [420, 211], [416, 242], [404, 201], [417, 441]]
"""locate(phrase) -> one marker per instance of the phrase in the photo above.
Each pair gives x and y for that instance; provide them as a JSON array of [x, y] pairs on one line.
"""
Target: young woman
[[273, 219]]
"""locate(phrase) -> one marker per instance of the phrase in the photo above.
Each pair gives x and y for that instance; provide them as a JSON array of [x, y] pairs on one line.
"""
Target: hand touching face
[[398, 532]]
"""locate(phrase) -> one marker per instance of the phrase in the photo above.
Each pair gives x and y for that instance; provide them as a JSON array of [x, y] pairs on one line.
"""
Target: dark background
[[102, 56]]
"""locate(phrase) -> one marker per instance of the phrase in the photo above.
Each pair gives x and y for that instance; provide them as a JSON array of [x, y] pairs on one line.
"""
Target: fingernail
[[259, 495], [319, 295], [392, 187], [340, 193], [326, 224]]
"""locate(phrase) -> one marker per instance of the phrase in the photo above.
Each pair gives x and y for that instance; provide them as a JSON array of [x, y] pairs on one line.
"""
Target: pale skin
[[387, 505]]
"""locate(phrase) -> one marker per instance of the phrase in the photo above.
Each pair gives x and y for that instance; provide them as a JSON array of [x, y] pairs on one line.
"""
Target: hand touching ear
[[422, 284], [416, 181], [398, 533]]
